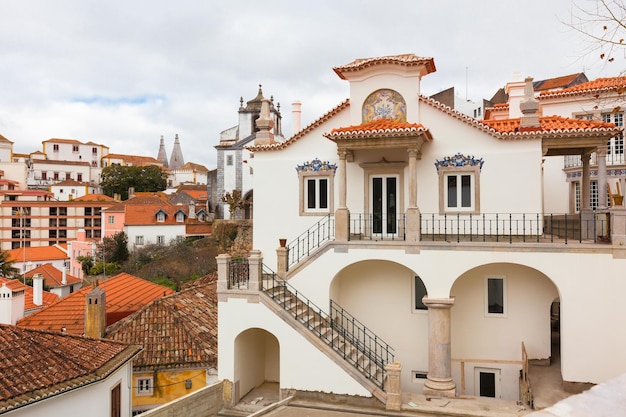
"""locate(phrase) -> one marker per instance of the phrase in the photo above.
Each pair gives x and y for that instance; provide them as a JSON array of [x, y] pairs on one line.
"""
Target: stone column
[[393, 387], [223, 262], [412, 219], [602, 190], [342, 215], [585, 184], [282, 261], [255, 270], [439, 382]]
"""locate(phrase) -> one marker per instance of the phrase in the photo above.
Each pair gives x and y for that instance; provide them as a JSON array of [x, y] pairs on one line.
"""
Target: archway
[[257, 361]]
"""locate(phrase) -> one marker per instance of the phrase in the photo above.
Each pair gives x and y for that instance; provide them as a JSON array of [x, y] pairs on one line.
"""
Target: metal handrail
[[238, 273], [338, 335], [310, 240], [367, 226]]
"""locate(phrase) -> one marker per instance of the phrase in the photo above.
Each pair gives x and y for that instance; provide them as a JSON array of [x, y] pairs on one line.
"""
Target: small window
[[160, 217], [180, 217], [79, 177], [229, 160], [139, 240], [74, 148], [419, 292], [94, 150], [56, 176], [111, 219], [496, 296], [459, 183], [161, 240], [317, 194], [55, 147], [458, 190], [44, 176], [144, 386], [316, 187]]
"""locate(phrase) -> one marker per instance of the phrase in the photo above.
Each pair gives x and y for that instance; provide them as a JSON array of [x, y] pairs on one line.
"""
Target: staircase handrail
[[271, 284], [311, 239]]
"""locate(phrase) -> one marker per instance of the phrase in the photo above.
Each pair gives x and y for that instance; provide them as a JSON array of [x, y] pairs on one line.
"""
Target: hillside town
[[422, 255]]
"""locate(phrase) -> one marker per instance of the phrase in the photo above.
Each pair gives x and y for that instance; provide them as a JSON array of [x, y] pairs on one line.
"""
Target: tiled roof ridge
[[598, 85], [377, 126], [409, 59], [281, 145]]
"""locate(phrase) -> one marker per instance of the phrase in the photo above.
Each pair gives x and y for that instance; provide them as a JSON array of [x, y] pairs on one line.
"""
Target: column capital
[[414, 153], [438, 302], [345, 155]]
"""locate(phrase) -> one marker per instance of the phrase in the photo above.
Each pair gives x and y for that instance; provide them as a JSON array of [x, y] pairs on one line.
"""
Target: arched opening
[[555, 327], [386, 297], [498, 307], [247, 205], [257, 362]]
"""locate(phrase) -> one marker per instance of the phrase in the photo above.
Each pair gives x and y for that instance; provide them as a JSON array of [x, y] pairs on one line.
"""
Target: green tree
[[234, 201], [7, 269], [117, 179], [86, 262]]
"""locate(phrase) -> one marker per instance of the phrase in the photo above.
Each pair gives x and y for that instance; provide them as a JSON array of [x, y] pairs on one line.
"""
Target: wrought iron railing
[[612, 158], [368, 226], [344, 334], [302, 246], [514, 227], [238, 273]]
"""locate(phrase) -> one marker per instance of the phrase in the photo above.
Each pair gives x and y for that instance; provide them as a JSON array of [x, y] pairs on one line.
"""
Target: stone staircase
[[353, 347]]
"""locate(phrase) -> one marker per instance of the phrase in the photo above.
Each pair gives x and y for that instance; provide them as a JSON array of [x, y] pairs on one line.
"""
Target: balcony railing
[[302, 246], [368, 226], [238, 273], [614, 158]]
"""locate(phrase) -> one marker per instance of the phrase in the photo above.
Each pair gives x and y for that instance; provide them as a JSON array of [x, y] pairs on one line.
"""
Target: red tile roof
[[125, 294], [57, 140], [142, 210], [95, 197], [377, 128], [52, 277], [47, 298], [177, 331], [548, 123], [404, 60], [597, 86], [36, 365], [38, 253]]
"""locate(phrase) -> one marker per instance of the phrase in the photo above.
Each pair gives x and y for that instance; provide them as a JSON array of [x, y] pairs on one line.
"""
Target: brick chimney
[[95, 313]]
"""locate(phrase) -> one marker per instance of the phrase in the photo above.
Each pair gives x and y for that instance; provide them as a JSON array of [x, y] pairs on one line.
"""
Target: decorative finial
[[240, 101]]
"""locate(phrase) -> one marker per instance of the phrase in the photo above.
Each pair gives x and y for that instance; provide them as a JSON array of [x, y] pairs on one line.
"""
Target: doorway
[[384, 205], [487, 382]]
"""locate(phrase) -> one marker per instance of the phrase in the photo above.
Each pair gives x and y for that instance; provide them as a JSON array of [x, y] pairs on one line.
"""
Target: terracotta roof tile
[[36, 365], [57, 140], [52, 277], [177, 331], [38, 253], [405, 60], [548, 123], [95, 197], [597, 86], [125, 294], [564, 81], [47, 298], [378, 127]]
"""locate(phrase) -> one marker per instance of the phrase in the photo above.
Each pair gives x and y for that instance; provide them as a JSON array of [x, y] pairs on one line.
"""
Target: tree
[[117, 179], [603, 24], [234, 201], [7, 269]]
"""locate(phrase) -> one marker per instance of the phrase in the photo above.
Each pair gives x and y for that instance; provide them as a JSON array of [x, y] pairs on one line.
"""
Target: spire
[[162, 157], [176, 160], [265, 124]]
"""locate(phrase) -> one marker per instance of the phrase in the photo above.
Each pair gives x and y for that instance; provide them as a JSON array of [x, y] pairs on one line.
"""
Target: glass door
[[384, 204]]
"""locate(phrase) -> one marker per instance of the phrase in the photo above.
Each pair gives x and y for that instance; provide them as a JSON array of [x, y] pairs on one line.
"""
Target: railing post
[[255, 268], [223, 265], [393, 387], [282, 260]]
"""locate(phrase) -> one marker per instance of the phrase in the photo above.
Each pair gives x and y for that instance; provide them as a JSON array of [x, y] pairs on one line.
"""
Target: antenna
[[466, 82]]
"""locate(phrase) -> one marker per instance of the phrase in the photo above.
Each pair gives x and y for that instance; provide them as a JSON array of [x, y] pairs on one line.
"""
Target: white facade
[[153, 234], [435, 198]]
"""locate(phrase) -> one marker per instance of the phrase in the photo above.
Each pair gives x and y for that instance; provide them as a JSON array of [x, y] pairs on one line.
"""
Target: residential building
[[188, 173], [56, 281], [27, 258], [178, 334], [234, 171], [18, 299], [408, 248], [50, 373], [70, 189], [125, 294]]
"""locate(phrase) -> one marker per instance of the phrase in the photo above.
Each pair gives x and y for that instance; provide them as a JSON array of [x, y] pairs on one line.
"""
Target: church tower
[[176, 160], [162, 156]]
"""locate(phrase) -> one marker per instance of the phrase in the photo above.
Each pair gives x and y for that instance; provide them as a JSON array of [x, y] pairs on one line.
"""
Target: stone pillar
[[342, 214], [585, 184], [413, 177], [223, 265], [602, 190], [439, 382], [412, 219], [255, 268], [393, 388], [282, 261]]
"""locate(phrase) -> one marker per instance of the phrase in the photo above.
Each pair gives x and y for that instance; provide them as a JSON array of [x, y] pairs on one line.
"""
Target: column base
[[342, 226], [439, 387]]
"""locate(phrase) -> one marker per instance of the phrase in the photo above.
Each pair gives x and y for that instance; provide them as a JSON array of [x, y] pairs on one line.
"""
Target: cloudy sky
[[123, 73]]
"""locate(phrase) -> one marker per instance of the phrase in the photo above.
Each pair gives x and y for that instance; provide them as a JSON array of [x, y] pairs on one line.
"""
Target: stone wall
[[205, 402]]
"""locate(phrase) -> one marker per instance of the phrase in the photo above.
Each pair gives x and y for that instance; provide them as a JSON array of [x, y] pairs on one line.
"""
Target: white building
[[422, 235]]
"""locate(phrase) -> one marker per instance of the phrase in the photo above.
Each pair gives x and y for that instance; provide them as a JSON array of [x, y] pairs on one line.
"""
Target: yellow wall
[[168, 385]]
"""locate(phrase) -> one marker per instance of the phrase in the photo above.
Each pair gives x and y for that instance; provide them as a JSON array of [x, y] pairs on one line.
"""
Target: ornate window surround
[[319, 170], [459, 164]]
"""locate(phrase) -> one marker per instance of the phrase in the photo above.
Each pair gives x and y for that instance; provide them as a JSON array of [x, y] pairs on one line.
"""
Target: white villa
[[422, 250]]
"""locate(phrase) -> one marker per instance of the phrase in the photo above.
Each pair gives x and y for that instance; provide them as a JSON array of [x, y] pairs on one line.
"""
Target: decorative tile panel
[[316, 165], [384, 104], [459, 160]]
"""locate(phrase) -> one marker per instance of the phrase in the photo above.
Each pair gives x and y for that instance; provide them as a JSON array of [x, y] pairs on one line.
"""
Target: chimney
[[192, 209], [131, 192], [11, 305], [296, 110], [95, 313], [38, 289], [529, 106], [64, 276], [265, 124]]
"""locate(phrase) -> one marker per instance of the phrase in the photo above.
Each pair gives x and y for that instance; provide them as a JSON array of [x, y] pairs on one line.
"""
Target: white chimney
[[64, 276], [296, 111], [38, 289]]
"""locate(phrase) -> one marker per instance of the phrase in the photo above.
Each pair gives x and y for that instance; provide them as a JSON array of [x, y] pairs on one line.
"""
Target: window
[[116, 401], [496, 296], [94, 150], [55, 147], [144, 385], [44, 176], [615, 146], [160, 240], [94, 164], [139, 240], [419, 292], [577, 196], [487, 382], [55, 176], [229, 160], [79, 177], [180, 217], [111, 219], [316, 187], [74, 148], [68, 175], [160, 217], [459, 183]]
